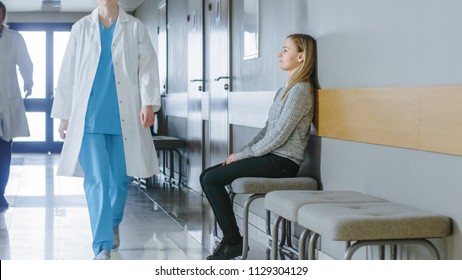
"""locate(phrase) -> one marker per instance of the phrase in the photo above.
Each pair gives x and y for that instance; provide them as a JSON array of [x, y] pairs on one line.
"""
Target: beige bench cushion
[[253, 185], [372, 221], [287, 203]]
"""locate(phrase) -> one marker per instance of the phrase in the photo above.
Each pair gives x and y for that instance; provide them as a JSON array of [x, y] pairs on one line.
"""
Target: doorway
[[195, 90], [219, 78]]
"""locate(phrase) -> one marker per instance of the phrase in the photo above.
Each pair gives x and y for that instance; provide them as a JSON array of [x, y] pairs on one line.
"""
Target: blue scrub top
[[103, 110]]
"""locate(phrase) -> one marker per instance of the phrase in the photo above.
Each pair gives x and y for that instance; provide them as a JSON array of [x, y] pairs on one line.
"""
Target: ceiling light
[[51, 5]]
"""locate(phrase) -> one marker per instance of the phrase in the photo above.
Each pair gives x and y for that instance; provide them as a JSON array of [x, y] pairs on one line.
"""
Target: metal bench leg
[[245, 241], [423, 242], [289, 234], [283, 233], [382, 252], [275, 249], [302, 244], [164, 159], [268, 223], [312, 246], [393, 252], [180, 171], [172, 165]]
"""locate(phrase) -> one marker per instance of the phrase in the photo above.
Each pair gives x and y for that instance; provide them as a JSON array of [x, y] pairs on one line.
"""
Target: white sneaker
[[103, 255], [116, 239]]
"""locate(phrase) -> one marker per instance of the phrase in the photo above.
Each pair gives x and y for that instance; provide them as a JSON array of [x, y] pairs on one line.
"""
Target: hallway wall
[[363, 43]]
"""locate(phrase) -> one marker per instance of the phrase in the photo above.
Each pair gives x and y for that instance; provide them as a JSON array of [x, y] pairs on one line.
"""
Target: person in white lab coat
[[107, 93], [13, 122]]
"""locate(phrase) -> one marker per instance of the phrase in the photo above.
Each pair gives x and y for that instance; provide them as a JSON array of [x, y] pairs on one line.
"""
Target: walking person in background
[[13, 121], [276, 151], [107, 93]]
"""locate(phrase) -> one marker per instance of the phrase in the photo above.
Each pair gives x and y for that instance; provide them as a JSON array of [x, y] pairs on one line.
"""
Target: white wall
[[372, 43]]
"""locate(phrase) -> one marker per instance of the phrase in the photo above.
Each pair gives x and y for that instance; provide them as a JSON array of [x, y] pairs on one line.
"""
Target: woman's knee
[[205, 181], [210, 179]]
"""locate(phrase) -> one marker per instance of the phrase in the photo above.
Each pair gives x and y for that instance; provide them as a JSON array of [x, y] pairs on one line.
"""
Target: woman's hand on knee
[[231, 158]]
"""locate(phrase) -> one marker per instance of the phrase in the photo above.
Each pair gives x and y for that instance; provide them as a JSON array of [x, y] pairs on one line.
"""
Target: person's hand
[[231, 158], [147, 116], [28, 91], [63, 128]]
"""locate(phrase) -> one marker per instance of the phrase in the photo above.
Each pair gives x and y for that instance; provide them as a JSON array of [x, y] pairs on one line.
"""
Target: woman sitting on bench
[[276, 151]]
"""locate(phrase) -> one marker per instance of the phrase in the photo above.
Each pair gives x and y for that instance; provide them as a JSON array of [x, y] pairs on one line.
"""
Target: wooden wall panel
[[441, 120], [423, 118]]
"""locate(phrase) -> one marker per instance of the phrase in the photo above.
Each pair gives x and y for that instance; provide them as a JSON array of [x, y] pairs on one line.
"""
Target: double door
[[46, 44], [208, 85]]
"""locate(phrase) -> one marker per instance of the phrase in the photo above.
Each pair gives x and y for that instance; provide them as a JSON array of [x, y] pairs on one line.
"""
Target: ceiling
[[65, 5]]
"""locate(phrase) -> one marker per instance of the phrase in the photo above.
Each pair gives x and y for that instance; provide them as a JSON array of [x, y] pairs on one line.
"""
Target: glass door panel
[[37, 130], [36, 46], [46, 44]]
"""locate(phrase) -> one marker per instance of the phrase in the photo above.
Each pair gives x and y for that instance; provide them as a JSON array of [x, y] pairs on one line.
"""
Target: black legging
[[214, 180], [5, 161]]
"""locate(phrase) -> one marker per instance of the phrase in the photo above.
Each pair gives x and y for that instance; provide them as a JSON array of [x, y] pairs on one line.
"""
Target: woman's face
[[289, 57]]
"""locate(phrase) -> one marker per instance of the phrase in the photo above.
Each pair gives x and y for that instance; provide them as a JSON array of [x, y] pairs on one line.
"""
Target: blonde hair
[[304, 72]]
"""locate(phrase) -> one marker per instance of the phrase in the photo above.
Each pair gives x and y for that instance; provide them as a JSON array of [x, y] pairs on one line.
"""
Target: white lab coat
[[13, 51], [137, 82]]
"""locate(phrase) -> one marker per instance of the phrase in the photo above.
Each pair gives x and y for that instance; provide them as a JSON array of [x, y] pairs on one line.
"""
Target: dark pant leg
[[215, 179], [5, 161]]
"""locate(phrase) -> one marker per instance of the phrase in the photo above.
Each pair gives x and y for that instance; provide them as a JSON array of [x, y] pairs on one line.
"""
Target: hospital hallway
[[48, 219]]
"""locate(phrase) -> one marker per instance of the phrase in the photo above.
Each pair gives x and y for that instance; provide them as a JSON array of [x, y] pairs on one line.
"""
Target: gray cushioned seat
[[258, 187], [383, 222], [286, 203], [252, 185], [372, 221]]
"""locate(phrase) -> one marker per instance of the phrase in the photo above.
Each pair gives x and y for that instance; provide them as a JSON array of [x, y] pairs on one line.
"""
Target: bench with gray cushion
[[285, 204], [308, 178], [373, 223], [167, 146], [258, 187]]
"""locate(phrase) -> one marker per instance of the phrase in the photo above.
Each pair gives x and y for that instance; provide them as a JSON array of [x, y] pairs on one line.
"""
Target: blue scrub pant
[[106, 185]]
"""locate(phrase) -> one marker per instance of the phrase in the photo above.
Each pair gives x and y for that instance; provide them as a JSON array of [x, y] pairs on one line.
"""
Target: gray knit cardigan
[[287, 129]]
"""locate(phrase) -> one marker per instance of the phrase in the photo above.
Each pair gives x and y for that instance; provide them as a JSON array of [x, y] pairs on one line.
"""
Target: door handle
[[221, 77], [199, 88]]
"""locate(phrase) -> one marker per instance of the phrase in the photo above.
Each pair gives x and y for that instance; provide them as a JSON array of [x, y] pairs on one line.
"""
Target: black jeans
[[5, 161], [214, 180]]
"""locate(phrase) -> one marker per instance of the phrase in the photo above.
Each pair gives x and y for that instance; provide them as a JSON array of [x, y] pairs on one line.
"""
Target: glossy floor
[[48, 219]]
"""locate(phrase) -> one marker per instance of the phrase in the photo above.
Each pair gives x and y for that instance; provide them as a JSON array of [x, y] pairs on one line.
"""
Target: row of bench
[[356, 218]]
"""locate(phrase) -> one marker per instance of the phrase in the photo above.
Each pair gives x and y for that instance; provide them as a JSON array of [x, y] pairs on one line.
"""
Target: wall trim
[[249, 108], [176, 104], [422, 118]]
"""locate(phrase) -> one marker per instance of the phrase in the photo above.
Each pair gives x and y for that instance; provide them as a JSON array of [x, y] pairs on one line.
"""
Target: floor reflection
[[48, 219], [4, 239]]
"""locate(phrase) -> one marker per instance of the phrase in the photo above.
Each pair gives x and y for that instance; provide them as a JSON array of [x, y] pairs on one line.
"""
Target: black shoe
[[225, 251]]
